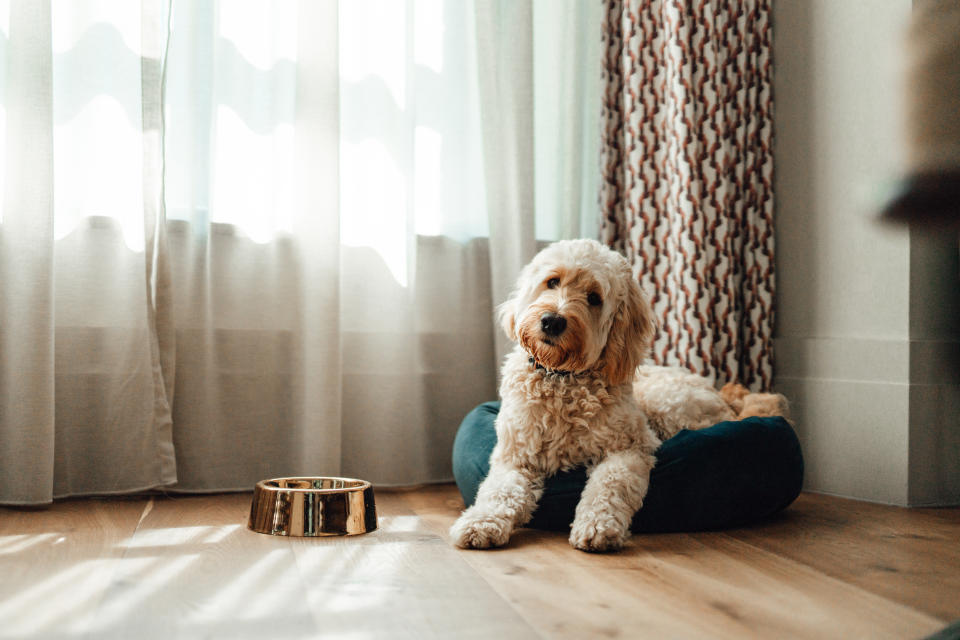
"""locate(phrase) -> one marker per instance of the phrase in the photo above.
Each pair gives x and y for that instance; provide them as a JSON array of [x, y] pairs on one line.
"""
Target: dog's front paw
[[598, 535], [475, 531]]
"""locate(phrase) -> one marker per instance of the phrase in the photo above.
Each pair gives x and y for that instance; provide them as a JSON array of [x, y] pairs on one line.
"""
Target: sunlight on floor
[[189, 568], [268, 585], [18, 543], [172, 536], [74, 589], [139, 580], [400, 523]]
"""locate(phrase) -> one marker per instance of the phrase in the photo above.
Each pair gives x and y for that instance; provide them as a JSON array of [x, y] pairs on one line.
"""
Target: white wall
[[851, 332]]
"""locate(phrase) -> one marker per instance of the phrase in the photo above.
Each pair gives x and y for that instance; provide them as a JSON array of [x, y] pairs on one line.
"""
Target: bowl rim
[[356, 484]]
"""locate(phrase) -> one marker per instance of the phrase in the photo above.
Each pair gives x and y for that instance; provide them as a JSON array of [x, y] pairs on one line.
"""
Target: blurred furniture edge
[[929, 198]]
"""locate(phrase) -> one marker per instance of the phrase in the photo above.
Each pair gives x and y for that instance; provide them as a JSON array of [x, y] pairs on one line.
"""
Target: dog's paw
[[598, 536], [473, 532]]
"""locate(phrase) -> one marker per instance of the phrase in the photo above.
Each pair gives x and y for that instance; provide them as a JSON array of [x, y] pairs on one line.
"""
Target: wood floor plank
[[193, 570], [674, 585], [766, 595], [402, 581], [550, 585], [894, 552], [187, 567], [56, 563]]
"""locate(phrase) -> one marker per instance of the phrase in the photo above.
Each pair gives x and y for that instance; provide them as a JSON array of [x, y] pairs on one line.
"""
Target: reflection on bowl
[[314, 506]]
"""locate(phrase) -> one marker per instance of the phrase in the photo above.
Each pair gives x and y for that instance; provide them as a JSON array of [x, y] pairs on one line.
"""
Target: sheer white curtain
[[247, 239]]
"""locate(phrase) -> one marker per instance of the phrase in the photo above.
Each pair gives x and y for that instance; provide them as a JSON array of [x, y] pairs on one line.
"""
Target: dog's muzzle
[[553, 324]]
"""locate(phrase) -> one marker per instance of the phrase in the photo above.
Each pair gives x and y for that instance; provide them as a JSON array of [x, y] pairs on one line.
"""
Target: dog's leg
[[506, 499], [614, 492]]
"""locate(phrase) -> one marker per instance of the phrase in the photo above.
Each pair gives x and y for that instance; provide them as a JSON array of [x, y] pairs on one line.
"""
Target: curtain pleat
[[505, 60], [155, 33], [687, 165], [318, 355], [252, 197], [27, 402], [83, 408]]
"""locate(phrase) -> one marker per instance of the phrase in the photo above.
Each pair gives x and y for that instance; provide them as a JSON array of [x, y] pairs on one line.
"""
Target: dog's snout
[[553, 324]]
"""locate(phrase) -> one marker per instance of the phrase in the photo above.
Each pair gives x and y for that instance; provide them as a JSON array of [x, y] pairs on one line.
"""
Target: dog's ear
[[507, 318], [630, 336]]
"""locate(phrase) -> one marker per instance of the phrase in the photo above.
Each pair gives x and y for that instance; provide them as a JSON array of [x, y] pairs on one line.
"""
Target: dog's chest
[[554, 423]]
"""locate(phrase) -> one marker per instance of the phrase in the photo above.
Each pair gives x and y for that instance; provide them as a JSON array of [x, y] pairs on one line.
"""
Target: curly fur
[[577, 398]]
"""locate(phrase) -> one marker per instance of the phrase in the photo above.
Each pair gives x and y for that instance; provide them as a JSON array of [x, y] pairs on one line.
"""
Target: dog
[[574, 393], [673, 398]]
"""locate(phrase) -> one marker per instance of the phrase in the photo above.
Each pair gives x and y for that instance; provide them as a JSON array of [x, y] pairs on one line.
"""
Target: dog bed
[[727, 475]]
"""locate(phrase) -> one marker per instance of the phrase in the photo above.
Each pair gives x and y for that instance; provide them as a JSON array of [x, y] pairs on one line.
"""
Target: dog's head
[[576, 307]]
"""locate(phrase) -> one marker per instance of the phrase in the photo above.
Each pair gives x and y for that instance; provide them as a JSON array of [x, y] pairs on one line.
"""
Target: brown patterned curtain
[[687, 175]]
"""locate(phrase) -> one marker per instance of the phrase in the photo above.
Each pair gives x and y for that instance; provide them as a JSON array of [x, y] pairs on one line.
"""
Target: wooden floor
[[187, 567]]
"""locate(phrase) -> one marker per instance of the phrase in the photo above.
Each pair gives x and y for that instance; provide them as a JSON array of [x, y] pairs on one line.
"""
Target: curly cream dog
[[573, 395], [583, 326]]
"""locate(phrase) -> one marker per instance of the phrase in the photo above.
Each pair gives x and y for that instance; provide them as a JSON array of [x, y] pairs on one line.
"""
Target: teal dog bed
[[728, 475]]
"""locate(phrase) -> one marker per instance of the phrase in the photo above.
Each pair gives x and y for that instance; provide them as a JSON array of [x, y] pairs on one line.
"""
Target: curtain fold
[[155, 35], [687, 164], [241, 240], [27, 413], [83, 407], [252, 200], [506, 57]]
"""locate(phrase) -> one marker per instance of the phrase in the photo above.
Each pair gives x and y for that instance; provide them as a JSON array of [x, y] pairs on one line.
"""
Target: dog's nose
[[552, 324]]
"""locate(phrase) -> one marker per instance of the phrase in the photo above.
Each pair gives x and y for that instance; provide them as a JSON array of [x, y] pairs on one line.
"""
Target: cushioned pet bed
[[727, 475]]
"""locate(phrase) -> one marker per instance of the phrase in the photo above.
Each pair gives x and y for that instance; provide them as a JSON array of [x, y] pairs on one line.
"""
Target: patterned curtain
[[687, 175]]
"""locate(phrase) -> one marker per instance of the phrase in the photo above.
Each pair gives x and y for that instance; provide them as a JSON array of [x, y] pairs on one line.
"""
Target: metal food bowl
[[313, 507]]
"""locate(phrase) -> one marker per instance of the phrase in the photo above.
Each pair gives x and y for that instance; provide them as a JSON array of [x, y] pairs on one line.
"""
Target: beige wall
[[855, 314]]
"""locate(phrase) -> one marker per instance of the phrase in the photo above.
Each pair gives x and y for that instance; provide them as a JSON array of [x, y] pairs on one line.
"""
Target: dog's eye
[[553, 283], [594, 299]]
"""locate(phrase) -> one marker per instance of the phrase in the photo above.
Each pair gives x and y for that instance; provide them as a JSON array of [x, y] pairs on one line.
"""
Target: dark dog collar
[[559, 372]]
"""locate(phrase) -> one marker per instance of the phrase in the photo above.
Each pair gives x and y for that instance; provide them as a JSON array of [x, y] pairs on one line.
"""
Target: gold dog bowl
[[313, 507]]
